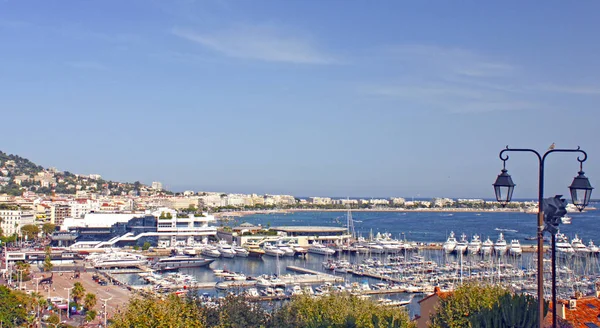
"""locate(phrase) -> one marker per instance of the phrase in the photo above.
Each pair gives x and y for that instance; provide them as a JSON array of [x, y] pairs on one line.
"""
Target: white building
[[183, 230], [157, 185], [14, 219]]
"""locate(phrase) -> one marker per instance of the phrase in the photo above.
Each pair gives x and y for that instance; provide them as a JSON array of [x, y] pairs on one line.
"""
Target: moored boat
[[450, 243]]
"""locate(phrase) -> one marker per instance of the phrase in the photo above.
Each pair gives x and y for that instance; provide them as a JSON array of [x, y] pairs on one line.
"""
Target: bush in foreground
[[235, 312]]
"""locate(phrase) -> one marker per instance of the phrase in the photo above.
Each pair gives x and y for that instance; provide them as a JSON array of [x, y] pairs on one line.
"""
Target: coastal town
[[118, 240]]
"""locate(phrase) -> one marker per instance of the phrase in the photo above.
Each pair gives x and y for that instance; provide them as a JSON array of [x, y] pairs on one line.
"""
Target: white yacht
[[225, 250], [177, 262], [475, 245], [211, 251], [241, 251], [563, 248], [565, 220], [298, 250], [462, 244], [318, 248], [487, 246], [119, 260], [500, 247], [594, 250], [450, 243], [515, 248], [579, 247], [272, 250], [374, 248], [288, 251]]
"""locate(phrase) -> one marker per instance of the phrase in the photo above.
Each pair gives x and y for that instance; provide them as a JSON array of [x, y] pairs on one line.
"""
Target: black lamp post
[[581, 191]]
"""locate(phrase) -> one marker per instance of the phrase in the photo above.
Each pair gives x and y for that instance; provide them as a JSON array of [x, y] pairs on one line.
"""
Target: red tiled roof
[[587, 310]]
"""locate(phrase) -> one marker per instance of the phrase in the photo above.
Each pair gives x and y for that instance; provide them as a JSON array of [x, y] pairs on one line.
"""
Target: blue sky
[[341, 98]]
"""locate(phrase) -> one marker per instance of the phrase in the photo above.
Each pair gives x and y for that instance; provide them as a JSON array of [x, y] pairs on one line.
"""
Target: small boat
[[565, 220]]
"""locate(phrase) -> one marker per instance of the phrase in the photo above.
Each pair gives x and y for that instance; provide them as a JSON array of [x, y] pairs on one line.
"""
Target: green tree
[[146, 246], [23, 269], [13, 308], [78, 292], [154, 312], [235, 312], [48, 260], [89, 301], [31, 231], [53, 319], [90, 315], [511, 310], [48, 228], [469, 299], [343, 310]]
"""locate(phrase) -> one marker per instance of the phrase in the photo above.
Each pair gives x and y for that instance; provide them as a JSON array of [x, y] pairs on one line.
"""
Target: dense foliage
[[338, 311], [14, 307], [483, 305], [235, 312]]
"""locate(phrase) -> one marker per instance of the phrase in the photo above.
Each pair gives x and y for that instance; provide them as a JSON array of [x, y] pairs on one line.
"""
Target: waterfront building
[[163, 227]]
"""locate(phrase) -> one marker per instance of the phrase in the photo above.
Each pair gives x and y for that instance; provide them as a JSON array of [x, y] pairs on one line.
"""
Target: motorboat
[[317, 248], [288, 251], [211, 251], [118, 260], [515, 248], [225, 250], [272, 250], [450, 243], [462, 244], [487, 247], [180, 261], [374, 248], [565, 220], [579, 247], [254, 250], [475, 245], [593, 248], [240, 251], [500, 247], [563, 247]]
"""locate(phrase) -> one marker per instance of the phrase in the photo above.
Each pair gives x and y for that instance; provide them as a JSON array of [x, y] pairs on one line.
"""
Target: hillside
[[18, 175]]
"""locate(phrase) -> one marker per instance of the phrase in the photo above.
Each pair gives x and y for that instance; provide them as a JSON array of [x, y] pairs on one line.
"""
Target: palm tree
[[89, 301], [78, 292]]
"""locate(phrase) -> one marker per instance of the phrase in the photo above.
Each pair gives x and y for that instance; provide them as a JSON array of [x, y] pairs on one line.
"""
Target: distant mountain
[[18, 175]]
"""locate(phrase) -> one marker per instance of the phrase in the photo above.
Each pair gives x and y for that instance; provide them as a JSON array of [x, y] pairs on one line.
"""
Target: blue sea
[[435, 226]]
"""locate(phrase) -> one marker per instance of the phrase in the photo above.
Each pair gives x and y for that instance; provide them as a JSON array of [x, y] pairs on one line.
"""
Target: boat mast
[[350, 222]]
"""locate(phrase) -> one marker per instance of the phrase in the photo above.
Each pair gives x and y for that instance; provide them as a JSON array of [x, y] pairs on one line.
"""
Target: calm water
[[435, 227]]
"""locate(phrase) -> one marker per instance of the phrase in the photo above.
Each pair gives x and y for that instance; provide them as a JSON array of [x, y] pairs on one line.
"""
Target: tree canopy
[[31, 231]]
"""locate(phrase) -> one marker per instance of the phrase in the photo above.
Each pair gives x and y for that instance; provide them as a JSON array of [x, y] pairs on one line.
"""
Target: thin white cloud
[[452, 60], [260, 43], [454, 80]]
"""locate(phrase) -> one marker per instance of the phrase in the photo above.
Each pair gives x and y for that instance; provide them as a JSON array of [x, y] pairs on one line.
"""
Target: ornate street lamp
[[504, 187], [581, 191]]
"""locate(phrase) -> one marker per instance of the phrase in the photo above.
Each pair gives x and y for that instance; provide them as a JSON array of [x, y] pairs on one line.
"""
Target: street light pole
[[504, 187], [37, 283], [69, 302], [105, 300]]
